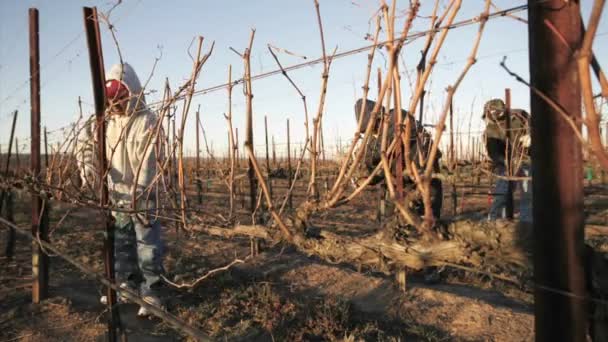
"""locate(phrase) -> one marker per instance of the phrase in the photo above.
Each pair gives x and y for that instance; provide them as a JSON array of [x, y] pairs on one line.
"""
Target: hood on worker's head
[[493, 110], [124, 73]]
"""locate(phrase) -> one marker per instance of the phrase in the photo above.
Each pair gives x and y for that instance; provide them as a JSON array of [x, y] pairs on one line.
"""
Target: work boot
[[150, 299], [122, 297]]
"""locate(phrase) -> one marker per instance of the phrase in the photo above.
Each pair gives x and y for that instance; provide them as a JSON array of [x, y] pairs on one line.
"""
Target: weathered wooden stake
[[560, 290], [91, 23], [40, 261]]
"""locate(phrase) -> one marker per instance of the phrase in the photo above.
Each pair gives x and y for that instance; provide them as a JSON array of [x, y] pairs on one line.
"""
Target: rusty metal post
[[198, 161], [509, 153], [91, 24], [557, 171], [40, 261], [289, 175], [267, 156]]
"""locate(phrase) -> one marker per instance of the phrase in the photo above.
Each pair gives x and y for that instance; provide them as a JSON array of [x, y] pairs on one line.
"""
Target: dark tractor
[[420, 144]]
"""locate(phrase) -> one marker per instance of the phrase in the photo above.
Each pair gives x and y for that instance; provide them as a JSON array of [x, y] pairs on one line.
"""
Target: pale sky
[[145, 25]]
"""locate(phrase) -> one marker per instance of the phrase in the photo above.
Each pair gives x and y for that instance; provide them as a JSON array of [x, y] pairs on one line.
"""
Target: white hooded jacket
[[130, 142]]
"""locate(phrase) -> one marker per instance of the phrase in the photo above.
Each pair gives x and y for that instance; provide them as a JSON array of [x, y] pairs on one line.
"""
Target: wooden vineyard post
[[560, 291], [91, 23], [40, 261]]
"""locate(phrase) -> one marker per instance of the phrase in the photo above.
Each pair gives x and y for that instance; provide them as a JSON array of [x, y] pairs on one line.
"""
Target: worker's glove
[[525, 141]]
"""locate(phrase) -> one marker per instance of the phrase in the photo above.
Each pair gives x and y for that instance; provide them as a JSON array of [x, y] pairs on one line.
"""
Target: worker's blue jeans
[[138, 252], [498, 208]]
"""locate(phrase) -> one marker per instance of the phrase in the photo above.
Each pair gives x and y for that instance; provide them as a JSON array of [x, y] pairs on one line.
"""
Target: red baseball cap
[[116, 90]]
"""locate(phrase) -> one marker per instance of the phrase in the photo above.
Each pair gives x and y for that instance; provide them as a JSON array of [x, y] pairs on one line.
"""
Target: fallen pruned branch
[[207, 275]]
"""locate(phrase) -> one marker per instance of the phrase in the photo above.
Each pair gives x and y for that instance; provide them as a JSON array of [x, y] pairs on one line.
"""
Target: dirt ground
[[277, 295]]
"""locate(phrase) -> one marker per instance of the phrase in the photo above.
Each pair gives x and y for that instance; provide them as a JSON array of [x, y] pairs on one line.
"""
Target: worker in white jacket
[[131, 131]]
